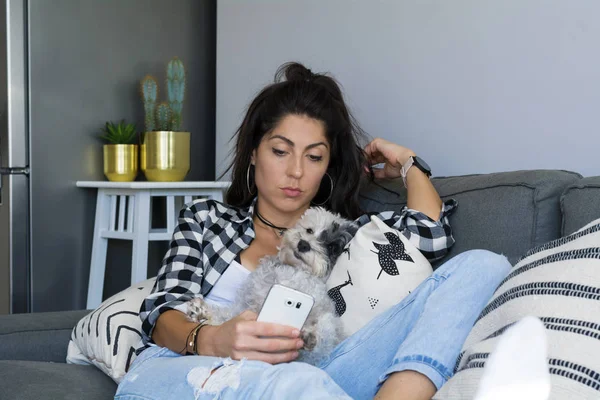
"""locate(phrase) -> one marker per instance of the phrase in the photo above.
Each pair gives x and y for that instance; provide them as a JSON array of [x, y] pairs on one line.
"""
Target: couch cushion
[[507, 212], [580, 204], [32, 380], [37, 336]]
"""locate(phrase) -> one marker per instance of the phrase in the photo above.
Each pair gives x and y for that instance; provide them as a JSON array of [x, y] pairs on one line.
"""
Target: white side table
[[123, 212]]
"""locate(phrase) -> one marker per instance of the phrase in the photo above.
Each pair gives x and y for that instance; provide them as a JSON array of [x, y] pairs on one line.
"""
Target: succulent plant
[[163, 117], [149, 88], [176, 90], [121, 133]]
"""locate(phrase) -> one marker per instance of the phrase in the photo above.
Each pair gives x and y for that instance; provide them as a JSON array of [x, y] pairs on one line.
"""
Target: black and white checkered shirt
[[210, 235]]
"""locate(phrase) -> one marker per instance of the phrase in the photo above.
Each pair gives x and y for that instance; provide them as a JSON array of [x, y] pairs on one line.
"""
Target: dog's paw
[[197, 309], [310, 340]]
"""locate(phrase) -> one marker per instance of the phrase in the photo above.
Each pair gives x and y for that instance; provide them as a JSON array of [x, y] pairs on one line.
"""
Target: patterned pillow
[[108, 336], [378, 268], [559, 283]]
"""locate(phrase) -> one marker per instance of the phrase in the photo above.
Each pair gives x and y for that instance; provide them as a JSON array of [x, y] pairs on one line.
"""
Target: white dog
[[306, 256]]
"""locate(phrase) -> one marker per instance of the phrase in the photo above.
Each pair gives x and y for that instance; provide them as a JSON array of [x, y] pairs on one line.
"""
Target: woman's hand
[[244, 337], [393, 155], [422, 196]]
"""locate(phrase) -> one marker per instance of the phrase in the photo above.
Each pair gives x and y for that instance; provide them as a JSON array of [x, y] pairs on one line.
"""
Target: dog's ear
[[350, 227], [338, 237]]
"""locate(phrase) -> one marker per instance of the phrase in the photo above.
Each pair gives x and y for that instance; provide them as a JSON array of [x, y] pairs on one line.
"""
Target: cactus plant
[[121, 133], [149, 88], [163, 117], [176, 90]]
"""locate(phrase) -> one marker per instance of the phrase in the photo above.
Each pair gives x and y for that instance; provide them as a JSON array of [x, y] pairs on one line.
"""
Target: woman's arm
[[241, 337], [180, 277], [424, 220], [422, 196], [179, 280], [172, 329]]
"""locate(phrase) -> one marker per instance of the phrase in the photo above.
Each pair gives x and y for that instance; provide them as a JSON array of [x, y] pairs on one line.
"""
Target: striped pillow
[[559, 282], [108, 336]]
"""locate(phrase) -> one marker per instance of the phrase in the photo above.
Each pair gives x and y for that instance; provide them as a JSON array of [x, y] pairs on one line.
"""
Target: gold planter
[[165, 155], [120, 162]]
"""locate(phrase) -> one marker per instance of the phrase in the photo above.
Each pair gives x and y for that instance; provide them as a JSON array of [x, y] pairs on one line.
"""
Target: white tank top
[[225, 290]]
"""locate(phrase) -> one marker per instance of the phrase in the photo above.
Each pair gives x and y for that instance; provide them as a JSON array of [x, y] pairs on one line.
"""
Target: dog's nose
[[303, 246]]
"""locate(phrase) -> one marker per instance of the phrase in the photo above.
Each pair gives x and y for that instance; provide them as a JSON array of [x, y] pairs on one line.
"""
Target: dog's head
[[316, 241]]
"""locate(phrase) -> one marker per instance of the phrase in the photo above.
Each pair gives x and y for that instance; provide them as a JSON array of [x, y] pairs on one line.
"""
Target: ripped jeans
[[424, 333]]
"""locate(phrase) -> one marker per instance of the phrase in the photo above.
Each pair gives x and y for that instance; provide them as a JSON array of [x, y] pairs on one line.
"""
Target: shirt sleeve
[[432, 237], [181, 275]]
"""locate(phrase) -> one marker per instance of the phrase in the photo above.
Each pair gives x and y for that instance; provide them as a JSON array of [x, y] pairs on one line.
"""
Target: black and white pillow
[[378, 268], [559, 283], [108, 336]]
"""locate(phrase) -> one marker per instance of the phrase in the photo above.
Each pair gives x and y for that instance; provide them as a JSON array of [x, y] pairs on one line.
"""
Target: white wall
[[472, 86]]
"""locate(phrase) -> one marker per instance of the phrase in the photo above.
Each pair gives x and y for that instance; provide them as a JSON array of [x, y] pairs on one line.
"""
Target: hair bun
[[294, 71]]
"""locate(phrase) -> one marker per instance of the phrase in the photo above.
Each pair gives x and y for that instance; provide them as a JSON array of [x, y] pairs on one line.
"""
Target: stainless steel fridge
[[14, 163], [66, 67]]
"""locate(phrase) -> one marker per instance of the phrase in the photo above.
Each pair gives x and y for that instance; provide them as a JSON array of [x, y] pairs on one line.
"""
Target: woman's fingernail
[[296, 332], [299, 344]]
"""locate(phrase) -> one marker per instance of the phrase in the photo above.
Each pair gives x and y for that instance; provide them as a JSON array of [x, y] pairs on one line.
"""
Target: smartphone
[[286, 306]]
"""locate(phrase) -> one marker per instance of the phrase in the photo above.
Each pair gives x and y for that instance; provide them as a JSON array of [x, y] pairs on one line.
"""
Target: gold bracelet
[[192, 343]]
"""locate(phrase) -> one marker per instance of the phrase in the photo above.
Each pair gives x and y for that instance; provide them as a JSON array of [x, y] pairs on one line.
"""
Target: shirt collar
[[246, 214]]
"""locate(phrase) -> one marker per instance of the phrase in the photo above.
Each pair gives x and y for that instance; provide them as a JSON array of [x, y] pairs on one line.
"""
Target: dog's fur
[[301, 267]]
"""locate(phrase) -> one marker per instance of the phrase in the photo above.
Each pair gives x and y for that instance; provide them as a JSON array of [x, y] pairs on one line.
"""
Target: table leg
[[99, 249], [141, 231], [171, 213]]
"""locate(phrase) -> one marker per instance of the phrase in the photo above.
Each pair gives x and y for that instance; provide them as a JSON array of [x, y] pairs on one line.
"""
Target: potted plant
[[165, 147], [121, 152]]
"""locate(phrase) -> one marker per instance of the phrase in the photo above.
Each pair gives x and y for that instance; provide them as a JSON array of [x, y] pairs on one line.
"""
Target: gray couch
[[505, 212]]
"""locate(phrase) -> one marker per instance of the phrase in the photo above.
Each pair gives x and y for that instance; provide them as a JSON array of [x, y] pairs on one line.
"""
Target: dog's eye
[[310, 231]]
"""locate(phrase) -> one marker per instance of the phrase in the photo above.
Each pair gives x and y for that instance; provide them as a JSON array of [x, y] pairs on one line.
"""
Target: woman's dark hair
[[319, 97]]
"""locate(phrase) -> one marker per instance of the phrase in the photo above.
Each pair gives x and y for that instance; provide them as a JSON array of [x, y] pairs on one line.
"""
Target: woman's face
[[290, 162]]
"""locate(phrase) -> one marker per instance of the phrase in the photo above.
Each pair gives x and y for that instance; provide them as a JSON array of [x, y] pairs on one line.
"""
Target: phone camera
[[289, 303]]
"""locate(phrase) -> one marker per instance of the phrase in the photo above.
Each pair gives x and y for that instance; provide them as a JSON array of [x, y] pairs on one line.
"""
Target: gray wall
[[473, 86], [87, 57]]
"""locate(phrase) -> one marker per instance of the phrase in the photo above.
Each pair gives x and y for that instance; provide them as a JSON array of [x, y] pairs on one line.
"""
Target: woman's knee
[[486, 256], [482, 265]]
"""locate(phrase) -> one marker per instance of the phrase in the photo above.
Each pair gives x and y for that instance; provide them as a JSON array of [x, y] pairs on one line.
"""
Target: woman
[[297, 146]]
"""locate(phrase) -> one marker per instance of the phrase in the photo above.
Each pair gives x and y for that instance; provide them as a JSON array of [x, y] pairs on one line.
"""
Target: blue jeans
[[424, 333]]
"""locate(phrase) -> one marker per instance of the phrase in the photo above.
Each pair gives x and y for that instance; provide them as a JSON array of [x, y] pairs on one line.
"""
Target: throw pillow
[[378, 268], [559, 283], [108, 336]]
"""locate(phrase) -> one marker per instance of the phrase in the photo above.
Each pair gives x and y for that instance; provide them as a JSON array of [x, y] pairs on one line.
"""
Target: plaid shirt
[[211, 234]]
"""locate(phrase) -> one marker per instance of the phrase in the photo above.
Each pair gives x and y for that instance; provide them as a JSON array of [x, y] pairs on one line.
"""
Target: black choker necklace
[[280, 230]]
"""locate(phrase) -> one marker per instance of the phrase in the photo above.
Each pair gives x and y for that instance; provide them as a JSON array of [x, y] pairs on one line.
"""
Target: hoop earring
[[248, 180], [330, 191]]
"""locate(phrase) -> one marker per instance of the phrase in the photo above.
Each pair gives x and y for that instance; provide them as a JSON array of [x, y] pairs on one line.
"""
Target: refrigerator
[[14, 164], [67, 67]]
